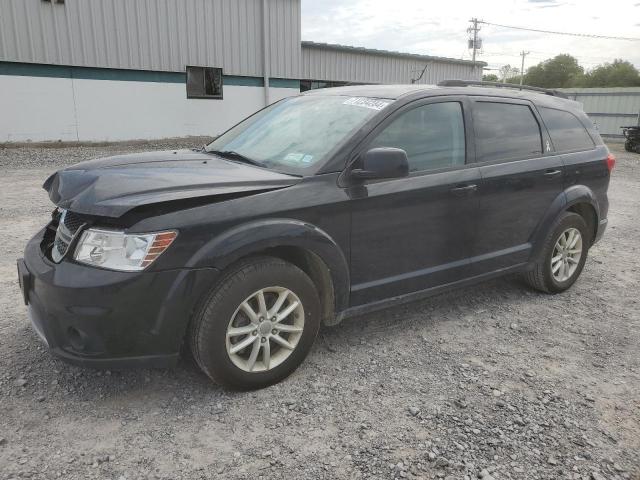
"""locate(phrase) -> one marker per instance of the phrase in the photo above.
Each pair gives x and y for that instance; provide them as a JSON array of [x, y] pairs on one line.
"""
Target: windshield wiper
[[231, 155]]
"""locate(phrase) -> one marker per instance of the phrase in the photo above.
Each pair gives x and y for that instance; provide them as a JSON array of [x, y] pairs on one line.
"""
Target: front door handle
[[464, 190], [552, 173]]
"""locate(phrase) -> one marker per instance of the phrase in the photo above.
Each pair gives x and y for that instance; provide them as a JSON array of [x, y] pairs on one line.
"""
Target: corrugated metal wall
[[609, 108], [160, 35], [360, 65], [167, 35]]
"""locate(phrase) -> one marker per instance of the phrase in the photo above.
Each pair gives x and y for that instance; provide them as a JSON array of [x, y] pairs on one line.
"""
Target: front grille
[[72, 221], [60, 247], [68, 225]]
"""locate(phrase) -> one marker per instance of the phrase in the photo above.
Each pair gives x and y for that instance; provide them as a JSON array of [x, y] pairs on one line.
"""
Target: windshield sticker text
[[372, 103], [296, 159]]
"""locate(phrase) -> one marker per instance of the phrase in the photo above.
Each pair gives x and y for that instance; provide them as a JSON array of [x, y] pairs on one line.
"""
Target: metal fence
[[609, 108]]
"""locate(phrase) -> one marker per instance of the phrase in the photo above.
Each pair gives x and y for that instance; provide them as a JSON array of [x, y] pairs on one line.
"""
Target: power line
[[538, 52], [588, 35], [584, 60], [548, 55]]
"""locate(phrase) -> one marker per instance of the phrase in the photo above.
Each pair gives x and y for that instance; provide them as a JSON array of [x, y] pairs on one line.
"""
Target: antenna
[[415, 80]]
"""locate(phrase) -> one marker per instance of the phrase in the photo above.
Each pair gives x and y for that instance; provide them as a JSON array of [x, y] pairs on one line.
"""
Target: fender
[[582, 194], [571, 196], [254, 237]]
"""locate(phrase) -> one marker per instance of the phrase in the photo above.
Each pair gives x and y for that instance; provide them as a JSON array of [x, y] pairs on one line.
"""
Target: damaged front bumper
[[110, 319]]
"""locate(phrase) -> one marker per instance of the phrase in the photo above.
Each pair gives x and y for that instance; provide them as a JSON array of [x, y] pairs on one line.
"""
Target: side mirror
[[382, 163]]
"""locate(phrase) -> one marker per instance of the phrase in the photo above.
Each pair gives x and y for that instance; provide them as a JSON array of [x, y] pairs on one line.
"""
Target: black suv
[[322, 206]]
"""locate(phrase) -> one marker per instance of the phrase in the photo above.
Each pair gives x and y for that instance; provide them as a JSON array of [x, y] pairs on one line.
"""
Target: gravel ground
[[494, 381]]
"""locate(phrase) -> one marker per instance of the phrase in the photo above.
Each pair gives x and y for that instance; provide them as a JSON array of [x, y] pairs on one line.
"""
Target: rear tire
[[242, 310], [560, 264]]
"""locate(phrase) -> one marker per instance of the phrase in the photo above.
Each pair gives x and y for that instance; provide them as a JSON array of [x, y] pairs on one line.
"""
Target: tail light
[[611, 162]]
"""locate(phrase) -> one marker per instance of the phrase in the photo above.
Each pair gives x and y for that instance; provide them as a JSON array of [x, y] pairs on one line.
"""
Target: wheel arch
[[588, 212], [308, 247], [578, 199], [582, 200], [315, 267]]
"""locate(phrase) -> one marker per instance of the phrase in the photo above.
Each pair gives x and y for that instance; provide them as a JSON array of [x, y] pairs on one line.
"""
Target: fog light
[[75, 338]]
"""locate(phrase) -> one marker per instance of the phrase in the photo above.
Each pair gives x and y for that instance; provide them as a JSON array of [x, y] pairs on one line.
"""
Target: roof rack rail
[[466, 83]]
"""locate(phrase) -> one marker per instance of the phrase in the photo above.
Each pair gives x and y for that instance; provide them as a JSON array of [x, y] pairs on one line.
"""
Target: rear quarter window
[[566, 131], [505, 131]]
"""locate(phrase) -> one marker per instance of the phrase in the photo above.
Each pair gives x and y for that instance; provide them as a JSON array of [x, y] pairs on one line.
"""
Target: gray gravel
[[491, 382], [57, 155]]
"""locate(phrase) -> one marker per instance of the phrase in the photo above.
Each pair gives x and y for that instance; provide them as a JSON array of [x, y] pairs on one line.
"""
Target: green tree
[[507, 71], [491, 77], [620, 73], [559, 71]]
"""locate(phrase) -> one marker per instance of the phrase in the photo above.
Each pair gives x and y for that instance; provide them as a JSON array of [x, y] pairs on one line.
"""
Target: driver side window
[[432, 135]]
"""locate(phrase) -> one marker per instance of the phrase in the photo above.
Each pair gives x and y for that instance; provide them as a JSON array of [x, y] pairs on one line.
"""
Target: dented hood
[[114, 185]]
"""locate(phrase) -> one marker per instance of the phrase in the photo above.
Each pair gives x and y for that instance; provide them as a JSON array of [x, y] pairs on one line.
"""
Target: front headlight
[[117, 250]]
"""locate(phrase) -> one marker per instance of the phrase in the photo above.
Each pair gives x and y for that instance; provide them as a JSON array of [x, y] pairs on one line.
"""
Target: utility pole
[[522, 54], [475, 43]]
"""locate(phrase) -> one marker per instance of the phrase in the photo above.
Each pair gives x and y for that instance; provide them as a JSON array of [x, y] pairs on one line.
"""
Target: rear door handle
[[552, 173], [464, 190]]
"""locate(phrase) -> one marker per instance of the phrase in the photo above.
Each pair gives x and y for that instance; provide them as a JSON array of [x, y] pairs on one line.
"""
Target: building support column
[[265, 51]]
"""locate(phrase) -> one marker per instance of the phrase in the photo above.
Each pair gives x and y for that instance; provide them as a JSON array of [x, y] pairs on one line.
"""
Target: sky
[[440, 28]]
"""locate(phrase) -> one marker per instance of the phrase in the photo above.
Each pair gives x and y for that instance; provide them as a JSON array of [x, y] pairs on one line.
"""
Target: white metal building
[[610, 108], [104, 70]]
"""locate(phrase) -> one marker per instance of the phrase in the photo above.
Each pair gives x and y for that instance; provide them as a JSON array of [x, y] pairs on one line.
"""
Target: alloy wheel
[[566, 255], [265, 329]]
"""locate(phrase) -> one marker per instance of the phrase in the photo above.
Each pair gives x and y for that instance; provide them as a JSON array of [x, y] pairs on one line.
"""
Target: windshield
[[296, 135]]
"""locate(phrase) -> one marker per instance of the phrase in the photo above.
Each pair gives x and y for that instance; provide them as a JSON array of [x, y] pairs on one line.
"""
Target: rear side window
[[506, 131], [432, 135], [567, 133]]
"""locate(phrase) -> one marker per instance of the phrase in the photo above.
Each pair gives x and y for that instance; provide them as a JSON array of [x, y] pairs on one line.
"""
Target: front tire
[[563, 255], [258, 324]]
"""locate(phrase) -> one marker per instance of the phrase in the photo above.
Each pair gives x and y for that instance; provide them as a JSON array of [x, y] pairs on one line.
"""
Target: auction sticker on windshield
[[366, 102], [298, 158]]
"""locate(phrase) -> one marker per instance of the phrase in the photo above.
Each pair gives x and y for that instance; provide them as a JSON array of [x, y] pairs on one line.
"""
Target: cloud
[[546, 3], [440, 28]]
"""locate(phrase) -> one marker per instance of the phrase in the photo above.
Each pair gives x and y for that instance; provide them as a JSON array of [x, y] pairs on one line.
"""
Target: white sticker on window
[[298, 159], [294, 157], [372, 103]]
